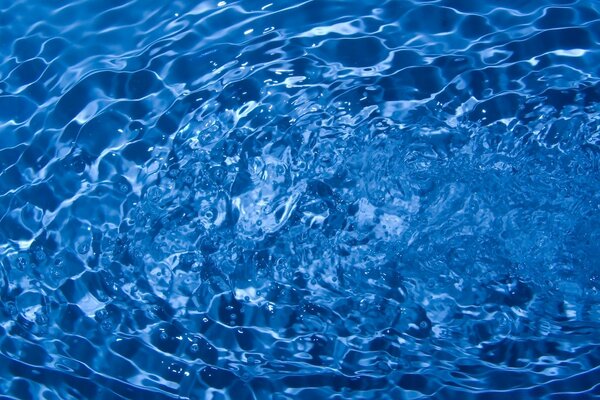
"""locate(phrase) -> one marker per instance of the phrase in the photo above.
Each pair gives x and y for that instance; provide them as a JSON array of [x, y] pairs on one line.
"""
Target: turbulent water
[[299, 199]]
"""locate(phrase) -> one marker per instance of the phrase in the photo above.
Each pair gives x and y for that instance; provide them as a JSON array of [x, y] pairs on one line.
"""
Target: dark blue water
[[299, 199]]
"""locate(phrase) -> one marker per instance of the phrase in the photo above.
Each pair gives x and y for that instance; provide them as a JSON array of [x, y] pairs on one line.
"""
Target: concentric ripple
[[300, 199]]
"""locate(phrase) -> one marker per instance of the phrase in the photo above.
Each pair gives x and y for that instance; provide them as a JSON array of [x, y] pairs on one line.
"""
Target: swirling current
[[312, 199]]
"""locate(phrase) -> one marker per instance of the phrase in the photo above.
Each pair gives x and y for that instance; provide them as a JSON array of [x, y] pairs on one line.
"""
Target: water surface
[[299, 200]]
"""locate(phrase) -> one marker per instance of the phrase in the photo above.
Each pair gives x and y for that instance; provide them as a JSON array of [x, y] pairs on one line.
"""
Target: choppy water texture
[[318, 199]]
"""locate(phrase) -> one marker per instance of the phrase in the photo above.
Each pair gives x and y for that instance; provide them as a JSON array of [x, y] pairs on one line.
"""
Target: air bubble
[[22, 263], [101, 314], [83, 248], [107, 325], [39, 255], [154, 194]]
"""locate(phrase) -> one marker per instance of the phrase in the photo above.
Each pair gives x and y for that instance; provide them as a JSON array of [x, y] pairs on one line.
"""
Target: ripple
[[299, 199]]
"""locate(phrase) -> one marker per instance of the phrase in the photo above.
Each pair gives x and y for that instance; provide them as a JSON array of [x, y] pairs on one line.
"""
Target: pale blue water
[[299, 200]]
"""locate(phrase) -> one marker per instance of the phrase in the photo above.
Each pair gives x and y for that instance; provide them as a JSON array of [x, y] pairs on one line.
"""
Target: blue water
[[300, 199]]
